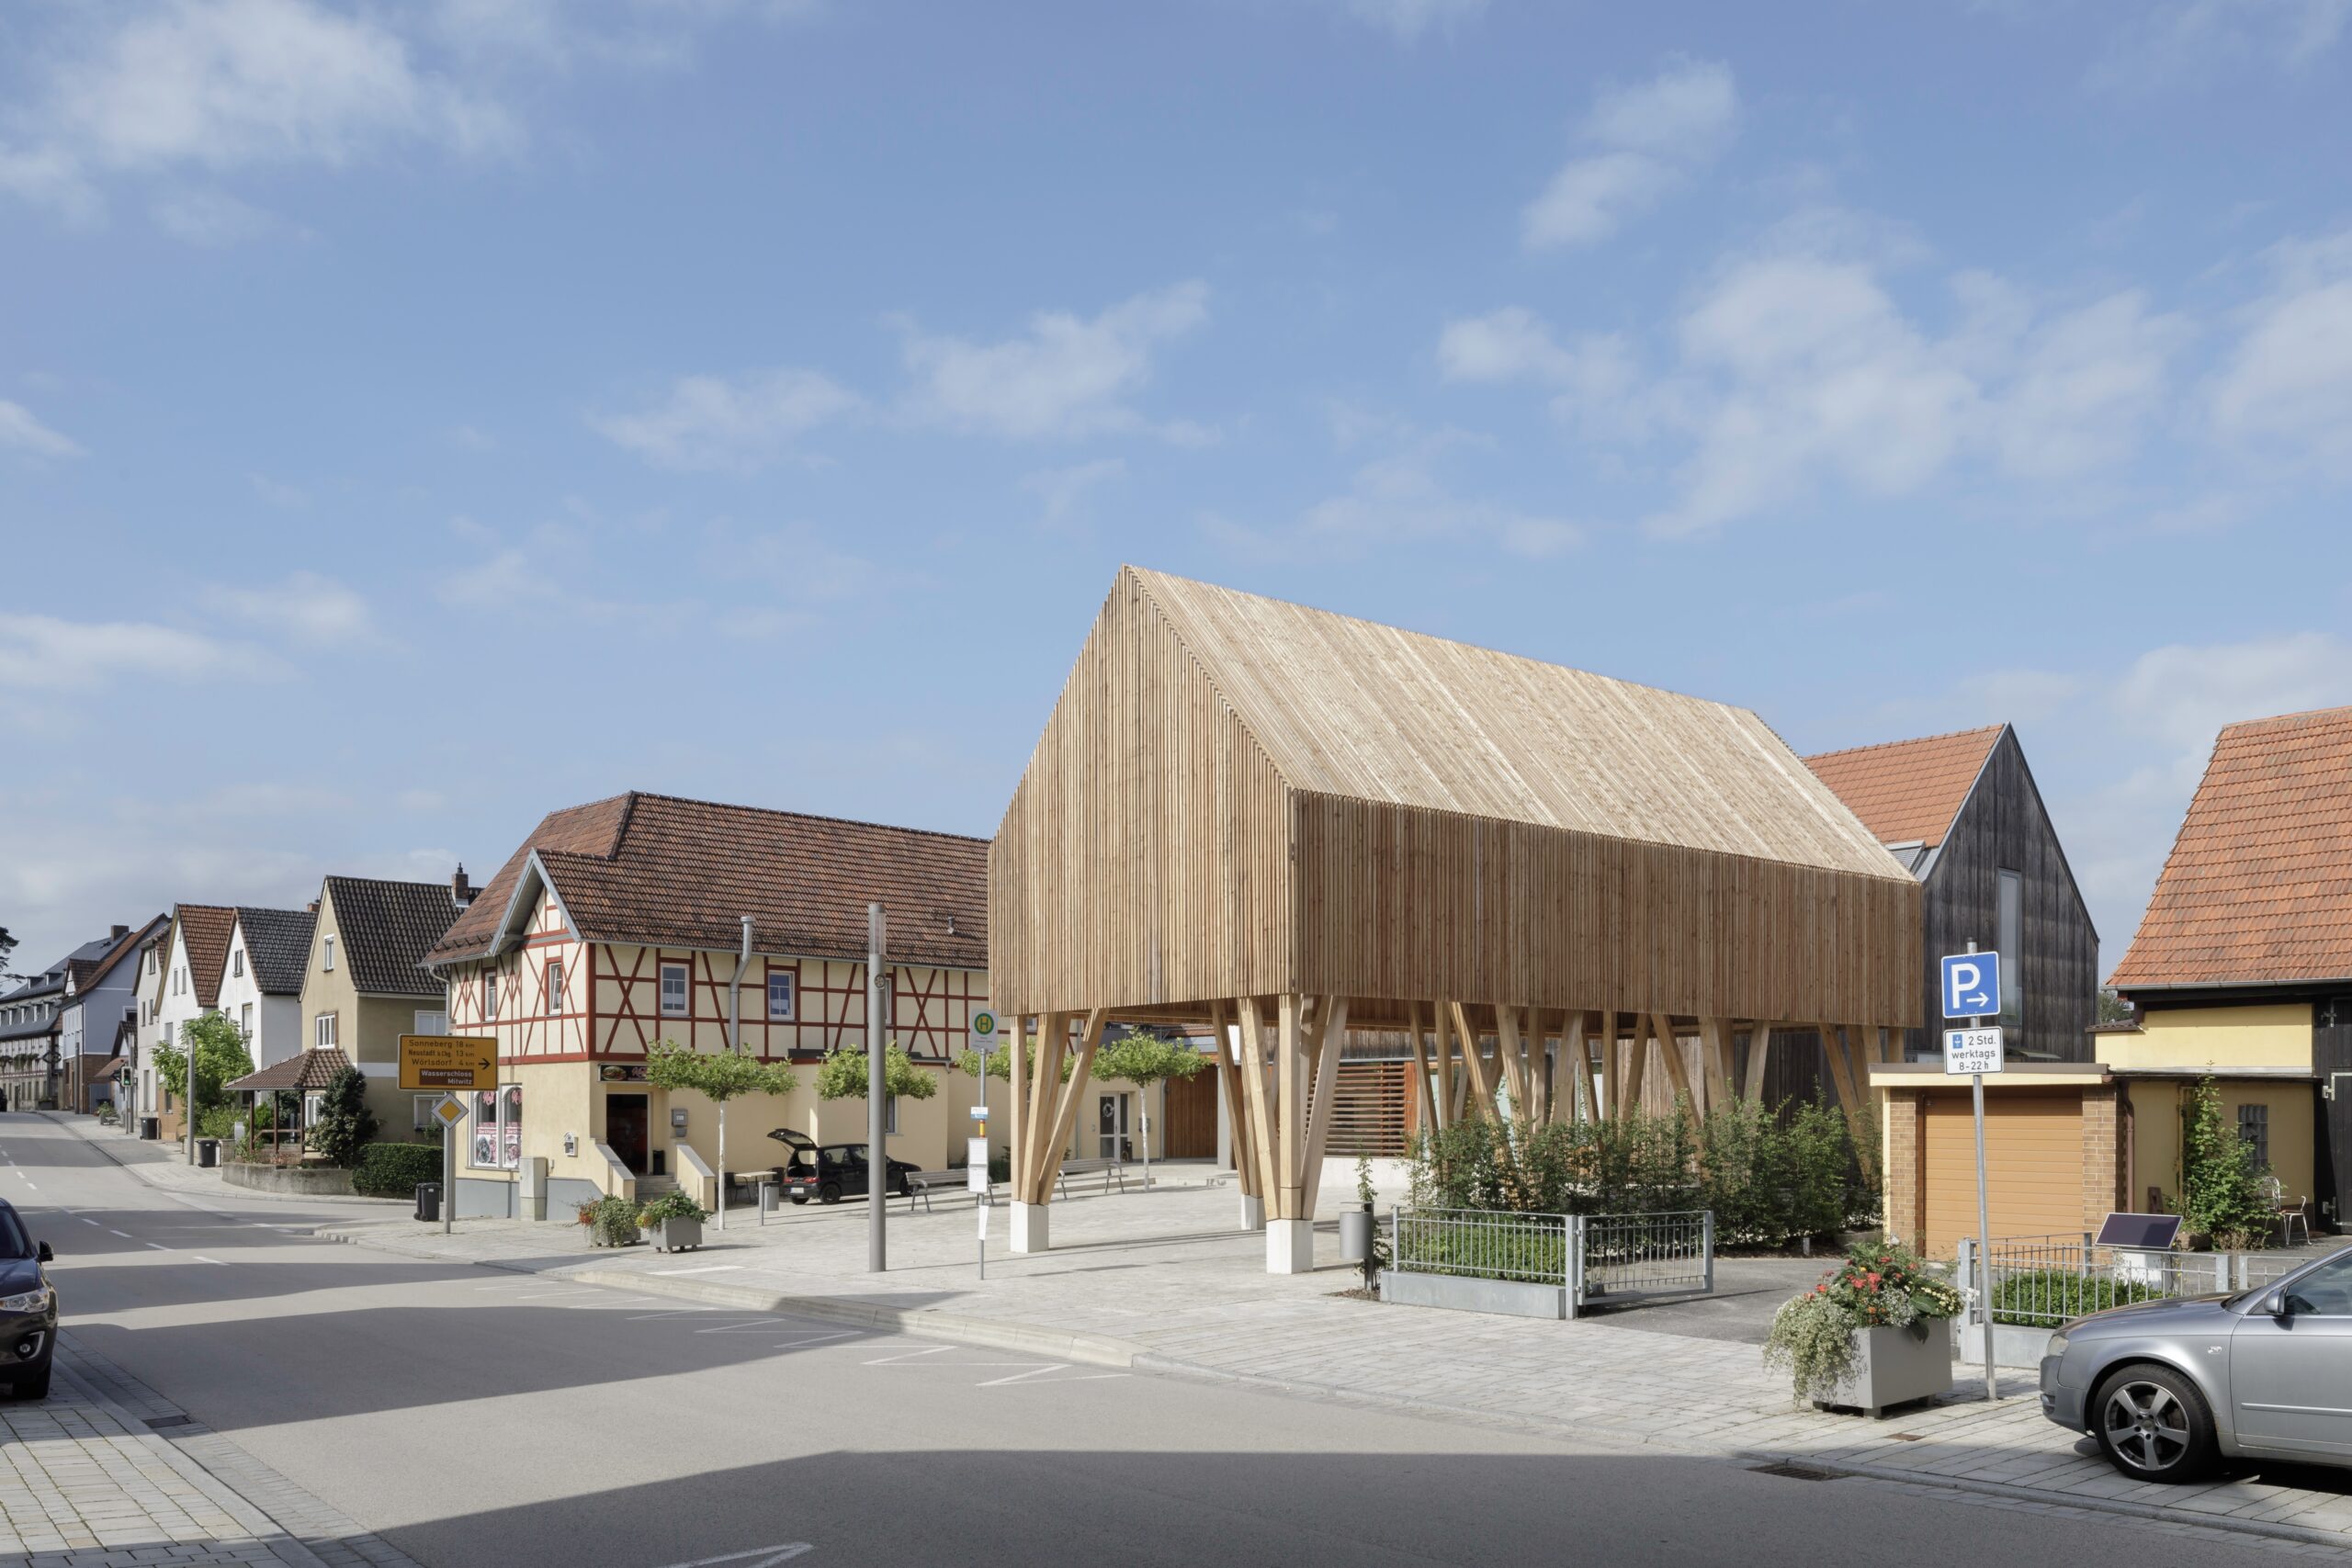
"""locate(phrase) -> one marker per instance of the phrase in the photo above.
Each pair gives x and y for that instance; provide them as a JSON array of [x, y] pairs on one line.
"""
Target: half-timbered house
[[621, 923]]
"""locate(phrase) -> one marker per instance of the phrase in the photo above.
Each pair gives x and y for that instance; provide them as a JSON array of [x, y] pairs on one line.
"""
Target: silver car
[[2167, 1386]]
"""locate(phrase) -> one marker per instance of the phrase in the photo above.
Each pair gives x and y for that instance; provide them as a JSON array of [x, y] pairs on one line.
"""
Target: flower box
[[674, 1235], [1894, 1365]]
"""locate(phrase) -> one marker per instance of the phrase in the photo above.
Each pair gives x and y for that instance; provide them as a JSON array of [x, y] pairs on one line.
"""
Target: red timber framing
[[1574, 895]]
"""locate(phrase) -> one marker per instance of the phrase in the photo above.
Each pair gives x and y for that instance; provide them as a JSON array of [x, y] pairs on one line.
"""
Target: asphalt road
[[474, 1416]]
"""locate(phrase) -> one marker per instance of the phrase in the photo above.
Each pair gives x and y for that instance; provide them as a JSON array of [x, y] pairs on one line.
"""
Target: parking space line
[[910, 1355], [813, 1339], [125, 1234], [159, 1247], [1038, 1375]]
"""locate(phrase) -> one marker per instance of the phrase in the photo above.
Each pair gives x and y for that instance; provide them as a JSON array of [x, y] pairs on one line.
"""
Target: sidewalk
[[164, 1167], [1162, 1281], [104, 1474]]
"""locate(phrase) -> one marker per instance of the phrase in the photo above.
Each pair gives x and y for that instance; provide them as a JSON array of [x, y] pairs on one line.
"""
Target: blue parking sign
[[1972, 984]]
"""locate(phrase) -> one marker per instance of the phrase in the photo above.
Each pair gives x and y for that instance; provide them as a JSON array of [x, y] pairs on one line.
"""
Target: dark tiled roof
[[277, 944], [652, 868], [314, 1068], [95, 971], [42, 1031], [204, 930], [1909, 792], [385, 929], [2258, 887]]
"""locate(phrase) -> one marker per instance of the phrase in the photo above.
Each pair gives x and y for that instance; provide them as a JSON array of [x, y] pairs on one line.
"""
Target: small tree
[[2223, 1193], [345, 1124], [2112, 1008], [218, 1047], [999, 1063], [718, 1076], [1142, 1059], [844, 1074]]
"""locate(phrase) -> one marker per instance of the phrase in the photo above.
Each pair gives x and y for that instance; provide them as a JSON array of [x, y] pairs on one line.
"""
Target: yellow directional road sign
[[447, 1061]]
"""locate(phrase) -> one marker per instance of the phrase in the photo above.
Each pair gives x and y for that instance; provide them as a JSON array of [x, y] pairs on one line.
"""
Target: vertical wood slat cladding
[[1154, 854], [2003, 826], [1410, 903], [1145, 859]]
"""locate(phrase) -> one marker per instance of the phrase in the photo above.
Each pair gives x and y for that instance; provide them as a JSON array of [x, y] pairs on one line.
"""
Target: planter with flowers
[[672, 1222], [1875, 1332]]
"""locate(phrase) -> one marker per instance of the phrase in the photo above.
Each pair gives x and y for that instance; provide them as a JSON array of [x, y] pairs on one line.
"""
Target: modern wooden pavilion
[[1282, 822]]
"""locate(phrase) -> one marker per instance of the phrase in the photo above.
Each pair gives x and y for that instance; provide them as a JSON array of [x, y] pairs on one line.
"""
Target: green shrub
[[219, 1122], [1877, 1286], [393, 1170], [611, 1222], [345, 1123], [2033, 1297], [672, 1205], [2225, 1194]]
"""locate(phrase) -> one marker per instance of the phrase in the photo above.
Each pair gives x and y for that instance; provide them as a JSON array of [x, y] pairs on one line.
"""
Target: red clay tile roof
[[204, 930], [2258, 887], [652, 868], [1908, 791]]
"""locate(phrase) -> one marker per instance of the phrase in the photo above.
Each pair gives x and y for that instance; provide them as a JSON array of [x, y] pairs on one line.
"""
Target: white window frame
[[327, 943], [237, 963], [553, 976], [506, 1153], [245, 1020], [490, 996], [685, 990], [429, 1021], [421, 1112], [790, 981], [323, 1031]]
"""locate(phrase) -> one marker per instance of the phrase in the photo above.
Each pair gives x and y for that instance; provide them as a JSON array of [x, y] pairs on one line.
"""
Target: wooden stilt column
[[1330, 1029], [1425, 1096], [1637, 1063], [1257, 1094], [1610, 1086], [1510, 1059], [1473, 1065], [1572, 1094], [1759, 1044], [1714, 1056]]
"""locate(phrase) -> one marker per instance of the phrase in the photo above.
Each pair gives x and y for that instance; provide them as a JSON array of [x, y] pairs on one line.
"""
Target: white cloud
[[2287, 386], [278, 494], [1066, 378], [1794, 367], [1406, 21], [2184, 693], [1398, 498], [1064, 490], [500, 582], [221, 84], [312, 610], [736, 424], [21, 431], [2193, 40], [214, 220], [42, 656], [1645, 141]]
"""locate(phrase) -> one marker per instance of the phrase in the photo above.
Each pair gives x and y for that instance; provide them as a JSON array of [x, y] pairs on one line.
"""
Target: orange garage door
[[2034, 1166]]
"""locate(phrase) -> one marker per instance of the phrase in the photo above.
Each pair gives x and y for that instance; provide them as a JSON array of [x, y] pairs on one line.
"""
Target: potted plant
[[1875, 1332], [672, 1222], [610, 1222]]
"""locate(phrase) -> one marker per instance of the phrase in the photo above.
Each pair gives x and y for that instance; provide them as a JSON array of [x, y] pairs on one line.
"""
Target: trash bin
[[1355, 1233], [428, 1200], [208, 1151], [151, 1127]]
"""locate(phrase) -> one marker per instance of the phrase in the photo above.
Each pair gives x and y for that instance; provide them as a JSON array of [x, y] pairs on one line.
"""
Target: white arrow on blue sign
[[1972, 984]]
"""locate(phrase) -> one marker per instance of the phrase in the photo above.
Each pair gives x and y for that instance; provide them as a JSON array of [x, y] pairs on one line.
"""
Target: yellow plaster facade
[[2273, 1035]]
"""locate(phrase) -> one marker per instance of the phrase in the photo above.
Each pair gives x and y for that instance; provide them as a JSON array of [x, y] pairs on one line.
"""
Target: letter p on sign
[[1972, 984]]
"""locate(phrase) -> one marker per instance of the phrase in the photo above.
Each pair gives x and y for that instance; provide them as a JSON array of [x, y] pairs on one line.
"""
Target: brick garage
[[2052, 1157]]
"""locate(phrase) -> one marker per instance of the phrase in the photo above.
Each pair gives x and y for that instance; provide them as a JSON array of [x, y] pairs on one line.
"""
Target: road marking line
[[768, 1556], [743, 1327], [813, 1339], [911, 1355], [705, 1269], [679, 1311], [125, 1234], [85, 1219], [214, 1261], [1039, 1376], [159, 1247]]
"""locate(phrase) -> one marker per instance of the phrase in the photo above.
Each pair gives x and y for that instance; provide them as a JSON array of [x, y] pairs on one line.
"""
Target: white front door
[[1111, 1128]]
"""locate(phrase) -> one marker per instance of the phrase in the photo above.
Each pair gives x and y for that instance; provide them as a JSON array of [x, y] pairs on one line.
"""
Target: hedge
[[2036, 1296], [393, 1170]]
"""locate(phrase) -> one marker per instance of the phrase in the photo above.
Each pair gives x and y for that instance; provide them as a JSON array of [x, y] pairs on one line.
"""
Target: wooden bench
[[1110, 1170], [923, 1183]]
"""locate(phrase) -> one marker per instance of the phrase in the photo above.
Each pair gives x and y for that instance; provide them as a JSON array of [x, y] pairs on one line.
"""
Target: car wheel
[[2153, 1425], [898, 1185], [830, 1192], [33, 1387]]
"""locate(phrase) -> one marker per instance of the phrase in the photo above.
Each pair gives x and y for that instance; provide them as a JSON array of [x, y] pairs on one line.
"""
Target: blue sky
[[416, 417]]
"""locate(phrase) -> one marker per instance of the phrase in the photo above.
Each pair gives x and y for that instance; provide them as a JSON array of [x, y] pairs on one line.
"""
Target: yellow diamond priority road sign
[[447, 1061], [451, 1111]]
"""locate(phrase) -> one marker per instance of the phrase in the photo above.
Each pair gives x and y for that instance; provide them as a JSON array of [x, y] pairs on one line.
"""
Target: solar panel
[[2156, 1232]]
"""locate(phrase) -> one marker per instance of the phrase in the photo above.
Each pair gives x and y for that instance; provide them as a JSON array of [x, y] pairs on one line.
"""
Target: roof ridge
[[2298, 716], [381, 882], [1911, 740], [637, 794]]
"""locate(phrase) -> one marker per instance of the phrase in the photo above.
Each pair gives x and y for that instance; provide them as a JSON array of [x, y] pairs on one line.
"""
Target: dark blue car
[[28, 1309]]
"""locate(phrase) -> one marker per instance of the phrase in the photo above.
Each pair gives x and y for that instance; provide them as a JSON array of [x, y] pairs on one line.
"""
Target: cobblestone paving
[[104, 1474]]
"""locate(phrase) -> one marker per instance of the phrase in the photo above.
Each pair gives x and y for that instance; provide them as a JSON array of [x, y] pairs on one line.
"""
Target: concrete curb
[[960, 1328]]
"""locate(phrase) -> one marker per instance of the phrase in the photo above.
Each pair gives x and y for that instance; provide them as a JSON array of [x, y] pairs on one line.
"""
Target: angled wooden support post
[[1256, 1092], [1850, 1094], [1539, 1065], [1066, 1114], [1454, 1087], [1053, 1044], [1637, 1065], [1759, 1042], [1237, 1113], [1678, 1071], [1571, 1098], [1474, 1065], [1511, 1055], [1017, 1120], [1424, 1094], [1330, 1028], [1607, 1076], [1714, 1058]]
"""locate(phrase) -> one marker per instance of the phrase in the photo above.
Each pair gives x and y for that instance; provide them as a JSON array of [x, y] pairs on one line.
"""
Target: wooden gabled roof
[[2258, 887], [1353, 708], [1909, 792]]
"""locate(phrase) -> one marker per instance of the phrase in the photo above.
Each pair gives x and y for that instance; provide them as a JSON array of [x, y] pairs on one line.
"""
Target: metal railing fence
[[1616, 1257], [2050, 1281]]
